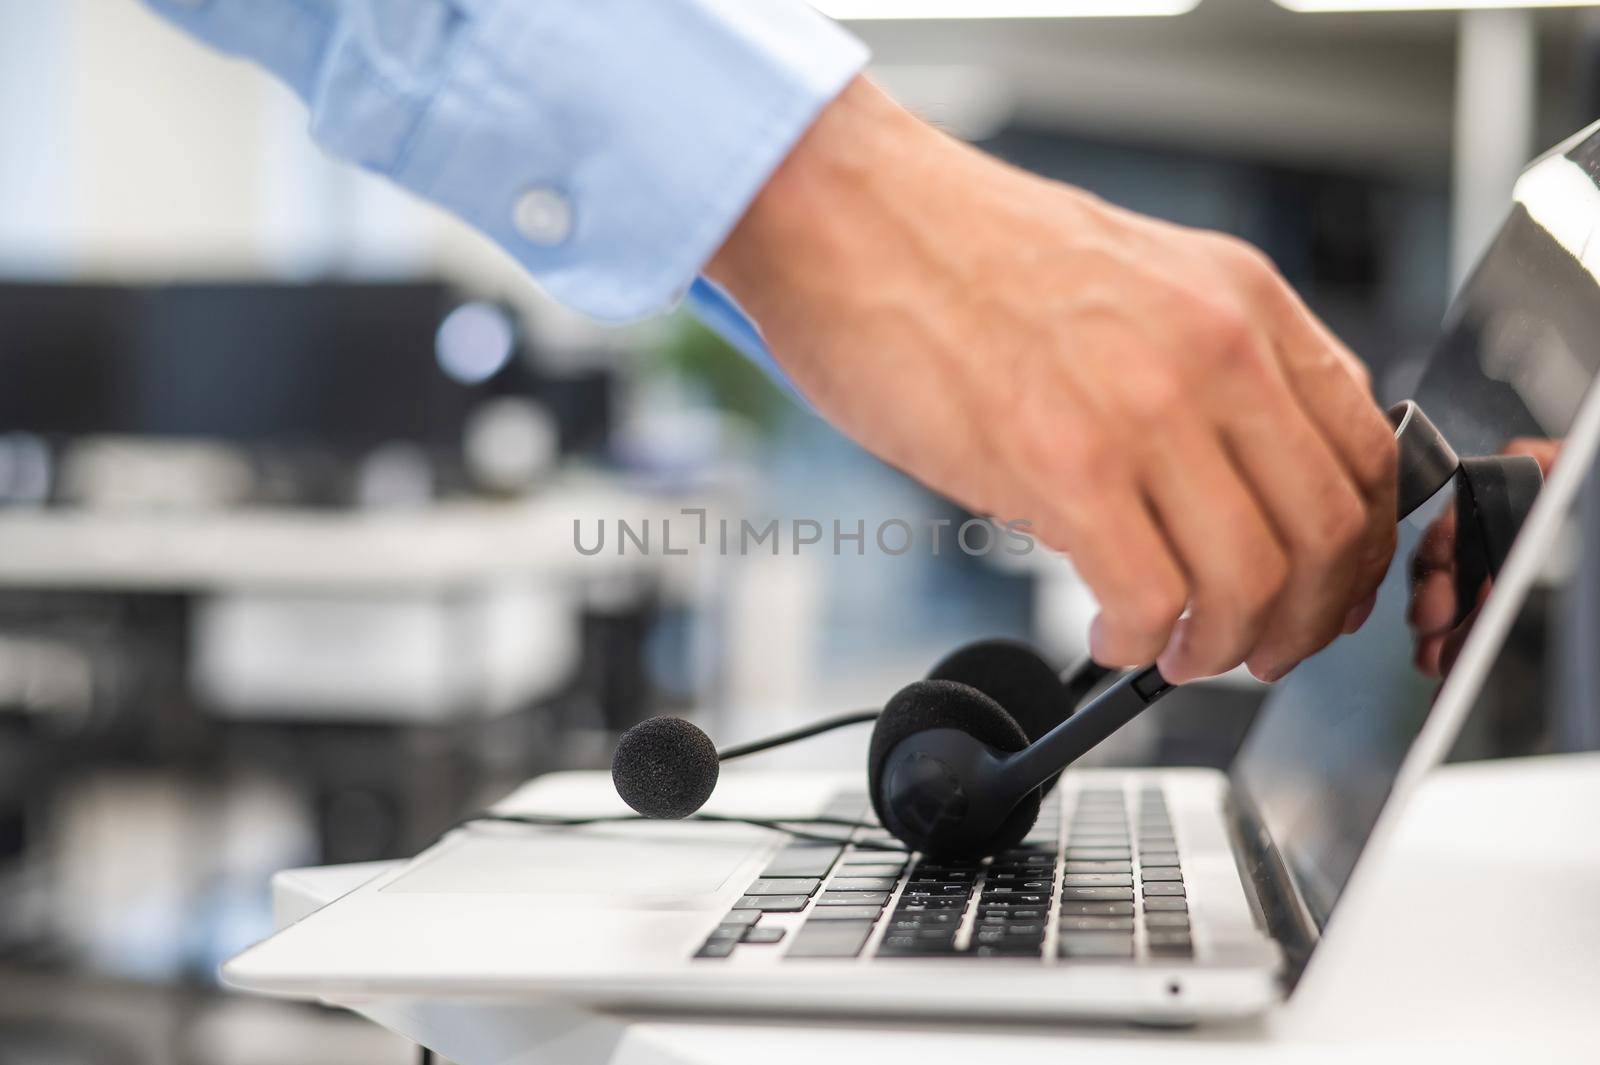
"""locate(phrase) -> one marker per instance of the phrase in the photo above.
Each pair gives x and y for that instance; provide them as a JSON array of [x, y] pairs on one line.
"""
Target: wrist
[[871, 198], [813, 218]]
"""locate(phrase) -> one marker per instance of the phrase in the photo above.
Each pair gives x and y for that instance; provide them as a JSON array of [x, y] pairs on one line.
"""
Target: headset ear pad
[[931, 704], [1015, 676]]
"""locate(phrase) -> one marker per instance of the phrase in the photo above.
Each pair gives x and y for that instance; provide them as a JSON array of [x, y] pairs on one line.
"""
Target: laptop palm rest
[[602, 866]]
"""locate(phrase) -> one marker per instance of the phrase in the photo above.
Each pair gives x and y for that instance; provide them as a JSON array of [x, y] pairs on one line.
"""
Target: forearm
[[608, 147]]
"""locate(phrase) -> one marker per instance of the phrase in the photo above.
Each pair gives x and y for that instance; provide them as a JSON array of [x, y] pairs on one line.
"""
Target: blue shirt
[[608, 145]]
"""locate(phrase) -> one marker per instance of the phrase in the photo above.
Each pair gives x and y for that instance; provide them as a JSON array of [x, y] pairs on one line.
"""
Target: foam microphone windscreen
[[665, 767]]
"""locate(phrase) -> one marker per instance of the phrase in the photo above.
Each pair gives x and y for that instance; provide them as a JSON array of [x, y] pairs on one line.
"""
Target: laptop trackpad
[[602, 866]]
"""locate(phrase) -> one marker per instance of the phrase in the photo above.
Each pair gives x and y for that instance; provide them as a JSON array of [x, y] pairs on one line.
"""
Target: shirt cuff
[[610, 146]]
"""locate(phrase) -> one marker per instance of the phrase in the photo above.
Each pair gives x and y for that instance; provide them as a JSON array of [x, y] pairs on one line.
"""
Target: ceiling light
[[1316, 6], [936, 10]]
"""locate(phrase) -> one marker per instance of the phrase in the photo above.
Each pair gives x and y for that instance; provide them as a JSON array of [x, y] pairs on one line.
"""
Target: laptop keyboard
[[1103, 883]]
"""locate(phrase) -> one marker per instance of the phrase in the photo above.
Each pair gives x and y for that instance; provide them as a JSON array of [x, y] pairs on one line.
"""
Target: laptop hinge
[[1280, 906]]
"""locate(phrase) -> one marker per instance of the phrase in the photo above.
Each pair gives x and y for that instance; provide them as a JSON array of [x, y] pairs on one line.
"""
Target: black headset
[[958, 762]]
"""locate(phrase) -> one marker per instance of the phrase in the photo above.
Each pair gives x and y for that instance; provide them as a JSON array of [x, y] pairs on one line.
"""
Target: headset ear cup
[[931, 704], [1015, 676]]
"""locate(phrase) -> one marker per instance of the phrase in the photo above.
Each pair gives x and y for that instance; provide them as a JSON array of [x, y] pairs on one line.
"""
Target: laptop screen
[[1519, 349]]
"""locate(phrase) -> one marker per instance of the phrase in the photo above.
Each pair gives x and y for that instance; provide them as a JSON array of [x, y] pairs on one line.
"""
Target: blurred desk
[[425, 547], [1457, 952], [406, 615]]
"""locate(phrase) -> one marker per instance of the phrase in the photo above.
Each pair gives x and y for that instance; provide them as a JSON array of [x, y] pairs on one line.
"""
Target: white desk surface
[[425, 547], [1476, 939]]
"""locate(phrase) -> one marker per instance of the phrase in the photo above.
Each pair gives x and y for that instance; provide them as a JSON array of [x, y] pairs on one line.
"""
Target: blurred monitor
[[338, 366]]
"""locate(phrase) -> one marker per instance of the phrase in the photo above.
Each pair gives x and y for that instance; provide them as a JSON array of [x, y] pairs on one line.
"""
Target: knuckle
[[1090, 467], [1238, 612], [1152, 613], [1224, 332], [1158, 398], [1360, 371], [1267, 575], [1339, 532], [1257, 266]]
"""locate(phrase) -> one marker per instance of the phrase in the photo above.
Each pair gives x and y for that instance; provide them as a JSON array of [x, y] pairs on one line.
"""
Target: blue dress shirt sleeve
[[608, 145]]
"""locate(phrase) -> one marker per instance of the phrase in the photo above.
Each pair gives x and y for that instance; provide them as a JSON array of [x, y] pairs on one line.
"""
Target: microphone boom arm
[[1084, 729]]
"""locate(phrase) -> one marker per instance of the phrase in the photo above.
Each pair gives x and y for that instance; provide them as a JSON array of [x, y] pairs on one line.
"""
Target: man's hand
[[1154, 399]]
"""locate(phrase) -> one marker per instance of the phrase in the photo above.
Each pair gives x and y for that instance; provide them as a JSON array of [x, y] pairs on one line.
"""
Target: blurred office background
[[289, 463]]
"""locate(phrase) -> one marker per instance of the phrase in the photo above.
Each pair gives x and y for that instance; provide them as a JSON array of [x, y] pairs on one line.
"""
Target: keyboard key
[[1169, 942], [783, 886], [1025, 949], [1165, 905], [1163, 889], [861, 883], [947, 876], [829, 939], [1158, 857], [716, 948], [1097, 924], [729, 931], [1098, 854], [1097, 909], [1102, 894], [1099, 867], [853, 898], [1096, 945], [742, 917], [874, 857], [1168, 873], [918, 905], [1018, 887], [915, 945], [940, 868], [845, 913], [804, 860], [762, 934], [1011, 913], [1032, 936], [1025, 858], [1016, 898], [892, 871], [773, 903], [911, 922], [1018, 928], [1098, 880], [1166, 920]]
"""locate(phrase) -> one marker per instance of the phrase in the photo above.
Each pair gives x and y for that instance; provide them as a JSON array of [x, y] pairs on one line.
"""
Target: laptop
[[1170, 895]]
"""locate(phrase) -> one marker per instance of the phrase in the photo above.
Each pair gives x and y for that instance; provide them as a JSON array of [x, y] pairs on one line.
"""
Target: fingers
[[1232, 561], [1332, 388], [1126, 561], [1542, 451], [1432, 609], [1319, 517], [1322, 457], [1359, 614]]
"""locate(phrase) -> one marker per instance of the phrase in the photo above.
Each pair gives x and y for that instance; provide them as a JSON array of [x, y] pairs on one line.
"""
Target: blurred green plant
[[734, 383]]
